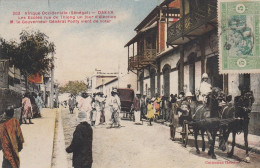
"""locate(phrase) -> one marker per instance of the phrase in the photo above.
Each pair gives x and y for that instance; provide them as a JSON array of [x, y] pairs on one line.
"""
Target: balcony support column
[[203, 57], [128, 58], [158, 77]]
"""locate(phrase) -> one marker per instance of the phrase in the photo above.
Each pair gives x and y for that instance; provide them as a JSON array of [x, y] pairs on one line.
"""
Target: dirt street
[[143, 146]]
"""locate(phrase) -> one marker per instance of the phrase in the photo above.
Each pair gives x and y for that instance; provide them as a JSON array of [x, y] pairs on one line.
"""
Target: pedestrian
[[103, 104], [27, 112], [11, 139], [174, 119], [93, 114], [81, 144], [156, 104], [150, 111], [72, 103], [137, 108], [35, 110], [115, 107], [39, 103], [143, 106], [165, 108], [85, 106], [98, 103]]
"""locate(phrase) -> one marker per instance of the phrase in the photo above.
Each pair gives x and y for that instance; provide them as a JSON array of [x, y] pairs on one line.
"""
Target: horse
[[241, 110], [204, 120]]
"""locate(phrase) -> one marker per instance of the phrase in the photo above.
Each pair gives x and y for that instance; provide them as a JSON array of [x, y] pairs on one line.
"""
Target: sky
[[81, 48]]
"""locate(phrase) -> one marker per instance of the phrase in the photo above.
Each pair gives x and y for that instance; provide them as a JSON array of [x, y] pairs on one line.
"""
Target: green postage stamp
[[239, 43]]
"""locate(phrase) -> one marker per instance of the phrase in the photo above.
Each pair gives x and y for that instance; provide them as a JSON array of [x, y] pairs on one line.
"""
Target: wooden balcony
[[141, 60], [195, 23]]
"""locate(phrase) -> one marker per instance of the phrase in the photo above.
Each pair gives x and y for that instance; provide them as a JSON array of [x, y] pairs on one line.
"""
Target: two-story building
[[147, 47], [176, 43]]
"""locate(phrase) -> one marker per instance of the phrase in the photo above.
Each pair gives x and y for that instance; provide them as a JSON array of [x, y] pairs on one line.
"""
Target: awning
[[149, 27]]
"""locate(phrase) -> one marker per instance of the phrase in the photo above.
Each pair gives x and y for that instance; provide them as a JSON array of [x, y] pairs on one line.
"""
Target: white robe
[[205, 89]]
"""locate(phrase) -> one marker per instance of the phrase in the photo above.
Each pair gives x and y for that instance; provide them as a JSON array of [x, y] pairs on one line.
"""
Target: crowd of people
[[92, 107], [163, 108]]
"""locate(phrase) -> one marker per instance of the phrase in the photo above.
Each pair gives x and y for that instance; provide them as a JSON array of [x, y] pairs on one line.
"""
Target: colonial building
[[98, 79], [148, 46], [176, 43]]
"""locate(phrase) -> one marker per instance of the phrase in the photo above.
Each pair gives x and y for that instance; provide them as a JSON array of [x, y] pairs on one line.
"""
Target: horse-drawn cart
[[126, 96], [218, 118]]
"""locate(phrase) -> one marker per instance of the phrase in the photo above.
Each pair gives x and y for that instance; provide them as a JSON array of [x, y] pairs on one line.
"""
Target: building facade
[[183, 37]]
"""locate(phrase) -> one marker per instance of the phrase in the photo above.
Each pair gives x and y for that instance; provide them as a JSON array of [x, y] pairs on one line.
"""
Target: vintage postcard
[[129, 83]]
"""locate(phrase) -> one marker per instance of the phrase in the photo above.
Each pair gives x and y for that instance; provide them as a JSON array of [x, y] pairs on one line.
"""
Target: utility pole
[[52, 82]]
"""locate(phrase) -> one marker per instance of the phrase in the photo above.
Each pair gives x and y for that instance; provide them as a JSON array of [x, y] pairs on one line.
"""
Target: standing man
[[84, 106], [115, 107], [11, 139], [102, 106], [72, 103], [174, 119], [93, 112], [99, 101], [137, 108], [81, 145], [143, 106], [39, 103]]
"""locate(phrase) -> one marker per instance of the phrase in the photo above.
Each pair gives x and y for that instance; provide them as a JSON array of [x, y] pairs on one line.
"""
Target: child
[[150, 111]]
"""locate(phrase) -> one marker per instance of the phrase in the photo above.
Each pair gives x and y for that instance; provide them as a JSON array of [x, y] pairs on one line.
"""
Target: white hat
[[82, 116], [188, 94], [205, 75], [114, 90]]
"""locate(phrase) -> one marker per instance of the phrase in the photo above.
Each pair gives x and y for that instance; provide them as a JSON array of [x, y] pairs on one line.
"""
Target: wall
[[174, 82], [4, 73], [9, 97], [129, 78], [171, 59]]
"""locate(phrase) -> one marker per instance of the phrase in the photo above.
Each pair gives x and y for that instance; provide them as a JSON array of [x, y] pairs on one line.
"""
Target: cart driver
[[204, 89]]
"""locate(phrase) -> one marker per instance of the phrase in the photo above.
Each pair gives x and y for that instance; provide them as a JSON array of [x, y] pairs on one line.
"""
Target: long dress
[[115, 106], [150, 111], [27, 108], [39, 103]]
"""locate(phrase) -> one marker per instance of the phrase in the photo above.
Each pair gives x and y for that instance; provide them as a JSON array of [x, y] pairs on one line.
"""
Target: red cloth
[[36, 78], [11, 141]]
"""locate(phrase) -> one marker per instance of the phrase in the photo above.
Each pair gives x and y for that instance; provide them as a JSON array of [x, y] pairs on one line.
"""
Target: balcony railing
[[142, 59], [206, 12]]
